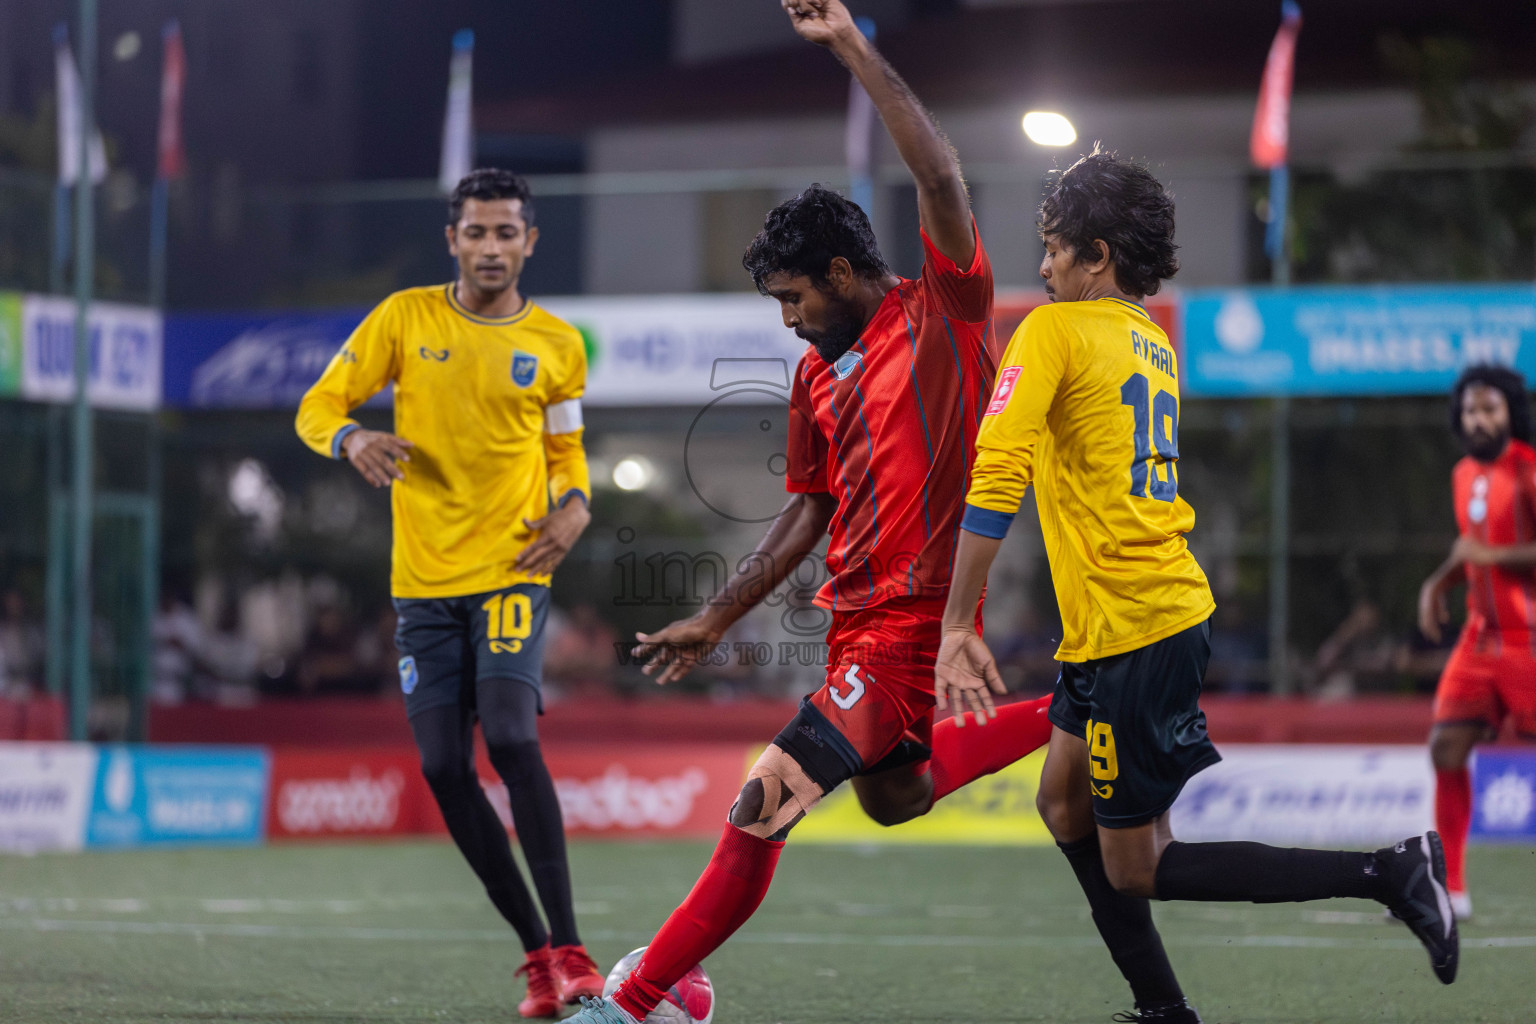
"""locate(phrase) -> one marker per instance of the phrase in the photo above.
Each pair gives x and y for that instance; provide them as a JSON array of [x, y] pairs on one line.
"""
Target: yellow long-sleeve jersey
[[1086, 408], [493, 409]]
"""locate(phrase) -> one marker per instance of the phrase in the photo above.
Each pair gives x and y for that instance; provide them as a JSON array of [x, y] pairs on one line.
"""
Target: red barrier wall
[[380, 721]]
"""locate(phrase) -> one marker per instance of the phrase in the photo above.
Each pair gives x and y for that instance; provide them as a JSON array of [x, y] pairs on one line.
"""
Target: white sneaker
[[1461, 905]]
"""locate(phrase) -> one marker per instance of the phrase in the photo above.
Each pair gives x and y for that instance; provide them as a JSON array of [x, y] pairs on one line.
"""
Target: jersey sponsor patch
[[408, 675], [846, 364], [1004, 390], [524, 366], [437, 355], [1477, 508]]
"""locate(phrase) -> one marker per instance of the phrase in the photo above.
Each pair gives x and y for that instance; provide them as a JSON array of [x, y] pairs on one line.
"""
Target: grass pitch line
[[272, 931]]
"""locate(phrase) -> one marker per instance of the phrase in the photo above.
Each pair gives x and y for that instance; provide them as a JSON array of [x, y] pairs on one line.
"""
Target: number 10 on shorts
[[508, 621]]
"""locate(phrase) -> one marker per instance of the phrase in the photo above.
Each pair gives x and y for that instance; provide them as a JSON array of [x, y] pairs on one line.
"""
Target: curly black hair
[[1491, 375], [490, 183], [1104, 197], [805, 234]]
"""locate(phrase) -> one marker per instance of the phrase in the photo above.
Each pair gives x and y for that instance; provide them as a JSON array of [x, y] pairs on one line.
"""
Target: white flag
[[67, 77], [458, 132]]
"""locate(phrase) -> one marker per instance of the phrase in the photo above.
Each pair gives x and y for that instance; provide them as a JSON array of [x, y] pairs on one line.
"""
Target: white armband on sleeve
[[563, 417]]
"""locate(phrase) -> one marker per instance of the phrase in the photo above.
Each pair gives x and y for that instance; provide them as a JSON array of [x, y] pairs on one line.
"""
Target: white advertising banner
[[680, 350], [45, 792], [1312, 795], [125, 347]]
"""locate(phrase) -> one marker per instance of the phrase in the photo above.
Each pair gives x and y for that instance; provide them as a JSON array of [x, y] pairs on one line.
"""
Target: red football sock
[[1453, 819], [962, 754], [726, 894]]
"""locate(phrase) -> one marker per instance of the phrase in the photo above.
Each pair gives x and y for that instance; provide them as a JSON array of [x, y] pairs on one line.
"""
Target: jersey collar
[[458, 307], [1138, 307]]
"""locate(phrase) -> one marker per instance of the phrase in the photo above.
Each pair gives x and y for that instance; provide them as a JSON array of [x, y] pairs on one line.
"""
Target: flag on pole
[[1269, 142], [458, 133], [859, 135], [172, 157], [67, 78]]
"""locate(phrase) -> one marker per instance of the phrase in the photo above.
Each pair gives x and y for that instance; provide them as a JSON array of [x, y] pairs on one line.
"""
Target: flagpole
[[83, 460], [1269, 147], [1280, 459]]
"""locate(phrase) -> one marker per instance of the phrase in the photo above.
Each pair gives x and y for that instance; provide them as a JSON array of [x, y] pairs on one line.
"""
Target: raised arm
[[942, 204]]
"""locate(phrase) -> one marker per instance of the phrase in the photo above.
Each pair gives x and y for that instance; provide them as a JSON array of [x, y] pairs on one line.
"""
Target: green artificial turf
[[397, 932]]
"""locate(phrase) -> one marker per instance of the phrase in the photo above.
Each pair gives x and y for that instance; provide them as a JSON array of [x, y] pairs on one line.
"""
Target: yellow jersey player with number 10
[[489, 490], [1086, 408]]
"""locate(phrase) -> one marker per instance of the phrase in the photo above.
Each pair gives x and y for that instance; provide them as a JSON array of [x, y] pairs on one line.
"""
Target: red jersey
[[890, 430], [1496, 504]]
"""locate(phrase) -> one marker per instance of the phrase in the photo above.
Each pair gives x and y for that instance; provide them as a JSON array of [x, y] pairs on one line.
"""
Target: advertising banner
[[1504, 794], [154, 796], [333, 794], [10, 344], [125, 353], [249, 360], [994, 810], [1312, 795], [45, 792], [639, 792], [1330, 340]]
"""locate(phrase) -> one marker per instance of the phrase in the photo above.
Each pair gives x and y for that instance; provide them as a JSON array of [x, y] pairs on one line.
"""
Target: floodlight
[[1046, 128]]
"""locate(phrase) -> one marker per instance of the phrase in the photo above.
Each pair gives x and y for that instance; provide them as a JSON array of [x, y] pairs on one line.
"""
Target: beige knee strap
[[788, 792]]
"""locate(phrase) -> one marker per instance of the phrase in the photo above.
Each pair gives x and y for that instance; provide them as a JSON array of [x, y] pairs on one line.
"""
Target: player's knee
[[1448, 752], [748, 807], [1130, 877], [444, 774], [1057, 813], [515, 761]]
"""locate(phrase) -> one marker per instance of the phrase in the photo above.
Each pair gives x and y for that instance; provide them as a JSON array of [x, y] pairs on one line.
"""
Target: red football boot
[[543, 999], [575, 974]]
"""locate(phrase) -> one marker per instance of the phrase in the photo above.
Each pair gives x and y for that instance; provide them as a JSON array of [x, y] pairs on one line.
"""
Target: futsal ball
[[690, 1001]]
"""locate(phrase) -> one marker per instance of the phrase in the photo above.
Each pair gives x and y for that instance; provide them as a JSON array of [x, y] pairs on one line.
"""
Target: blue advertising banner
[[1504, 794], [157, 796], [1338, 340], [247, 360]]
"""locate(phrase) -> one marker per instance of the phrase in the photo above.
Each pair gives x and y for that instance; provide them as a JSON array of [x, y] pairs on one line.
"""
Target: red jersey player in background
[[882, 428], [1492, 672]]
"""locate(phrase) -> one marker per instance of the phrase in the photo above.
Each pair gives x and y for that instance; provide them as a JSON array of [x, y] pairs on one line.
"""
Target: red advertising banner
[[330, 794], [640, 792]]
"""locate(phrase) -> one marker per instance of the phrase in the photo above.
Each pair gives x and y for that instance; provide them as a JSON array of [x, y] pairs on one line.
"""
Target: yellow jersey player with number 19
[[489, 490], [1086, 409]]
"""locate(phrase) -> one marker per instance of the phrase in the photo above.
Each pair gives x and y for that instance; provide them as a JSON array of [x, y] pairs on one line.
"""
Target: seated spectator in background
[[329, 661], [178, 638], [21, 648], [1359, 648], [580, 649]]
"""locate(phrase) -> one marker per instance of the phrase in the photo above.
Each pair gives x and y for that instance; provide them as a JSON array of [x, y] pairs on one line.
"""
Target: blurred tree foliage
[[1463, 208]]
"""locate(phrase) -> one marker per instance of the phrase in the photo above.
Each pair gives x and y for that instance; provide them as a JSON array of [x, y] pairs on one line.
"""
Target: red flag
[[173, 158], [1270, 141]]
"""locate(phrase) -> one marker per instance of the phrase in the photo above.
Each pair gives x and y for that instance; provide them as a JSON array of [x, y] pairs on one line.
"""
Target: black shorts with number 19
[[447, 644], [1140, 714]]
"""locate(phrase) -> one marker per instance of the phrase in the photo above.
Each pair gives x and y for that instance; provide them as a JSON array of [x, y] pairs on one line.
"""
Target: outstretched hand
[[966, 676], [675, 649], [819, 21]]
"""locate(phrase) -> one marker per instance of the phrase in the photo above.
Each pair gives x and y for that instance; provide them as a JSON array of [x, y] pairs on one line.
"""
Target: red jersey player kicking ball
[[1492, 673], [882, 428]]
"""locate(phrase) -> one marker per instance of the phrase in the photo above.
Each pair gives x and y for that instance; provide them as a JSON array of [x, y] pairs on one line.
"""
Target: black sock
[[1125, 924], [540, 830], [1255, 873], [446, 752]]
